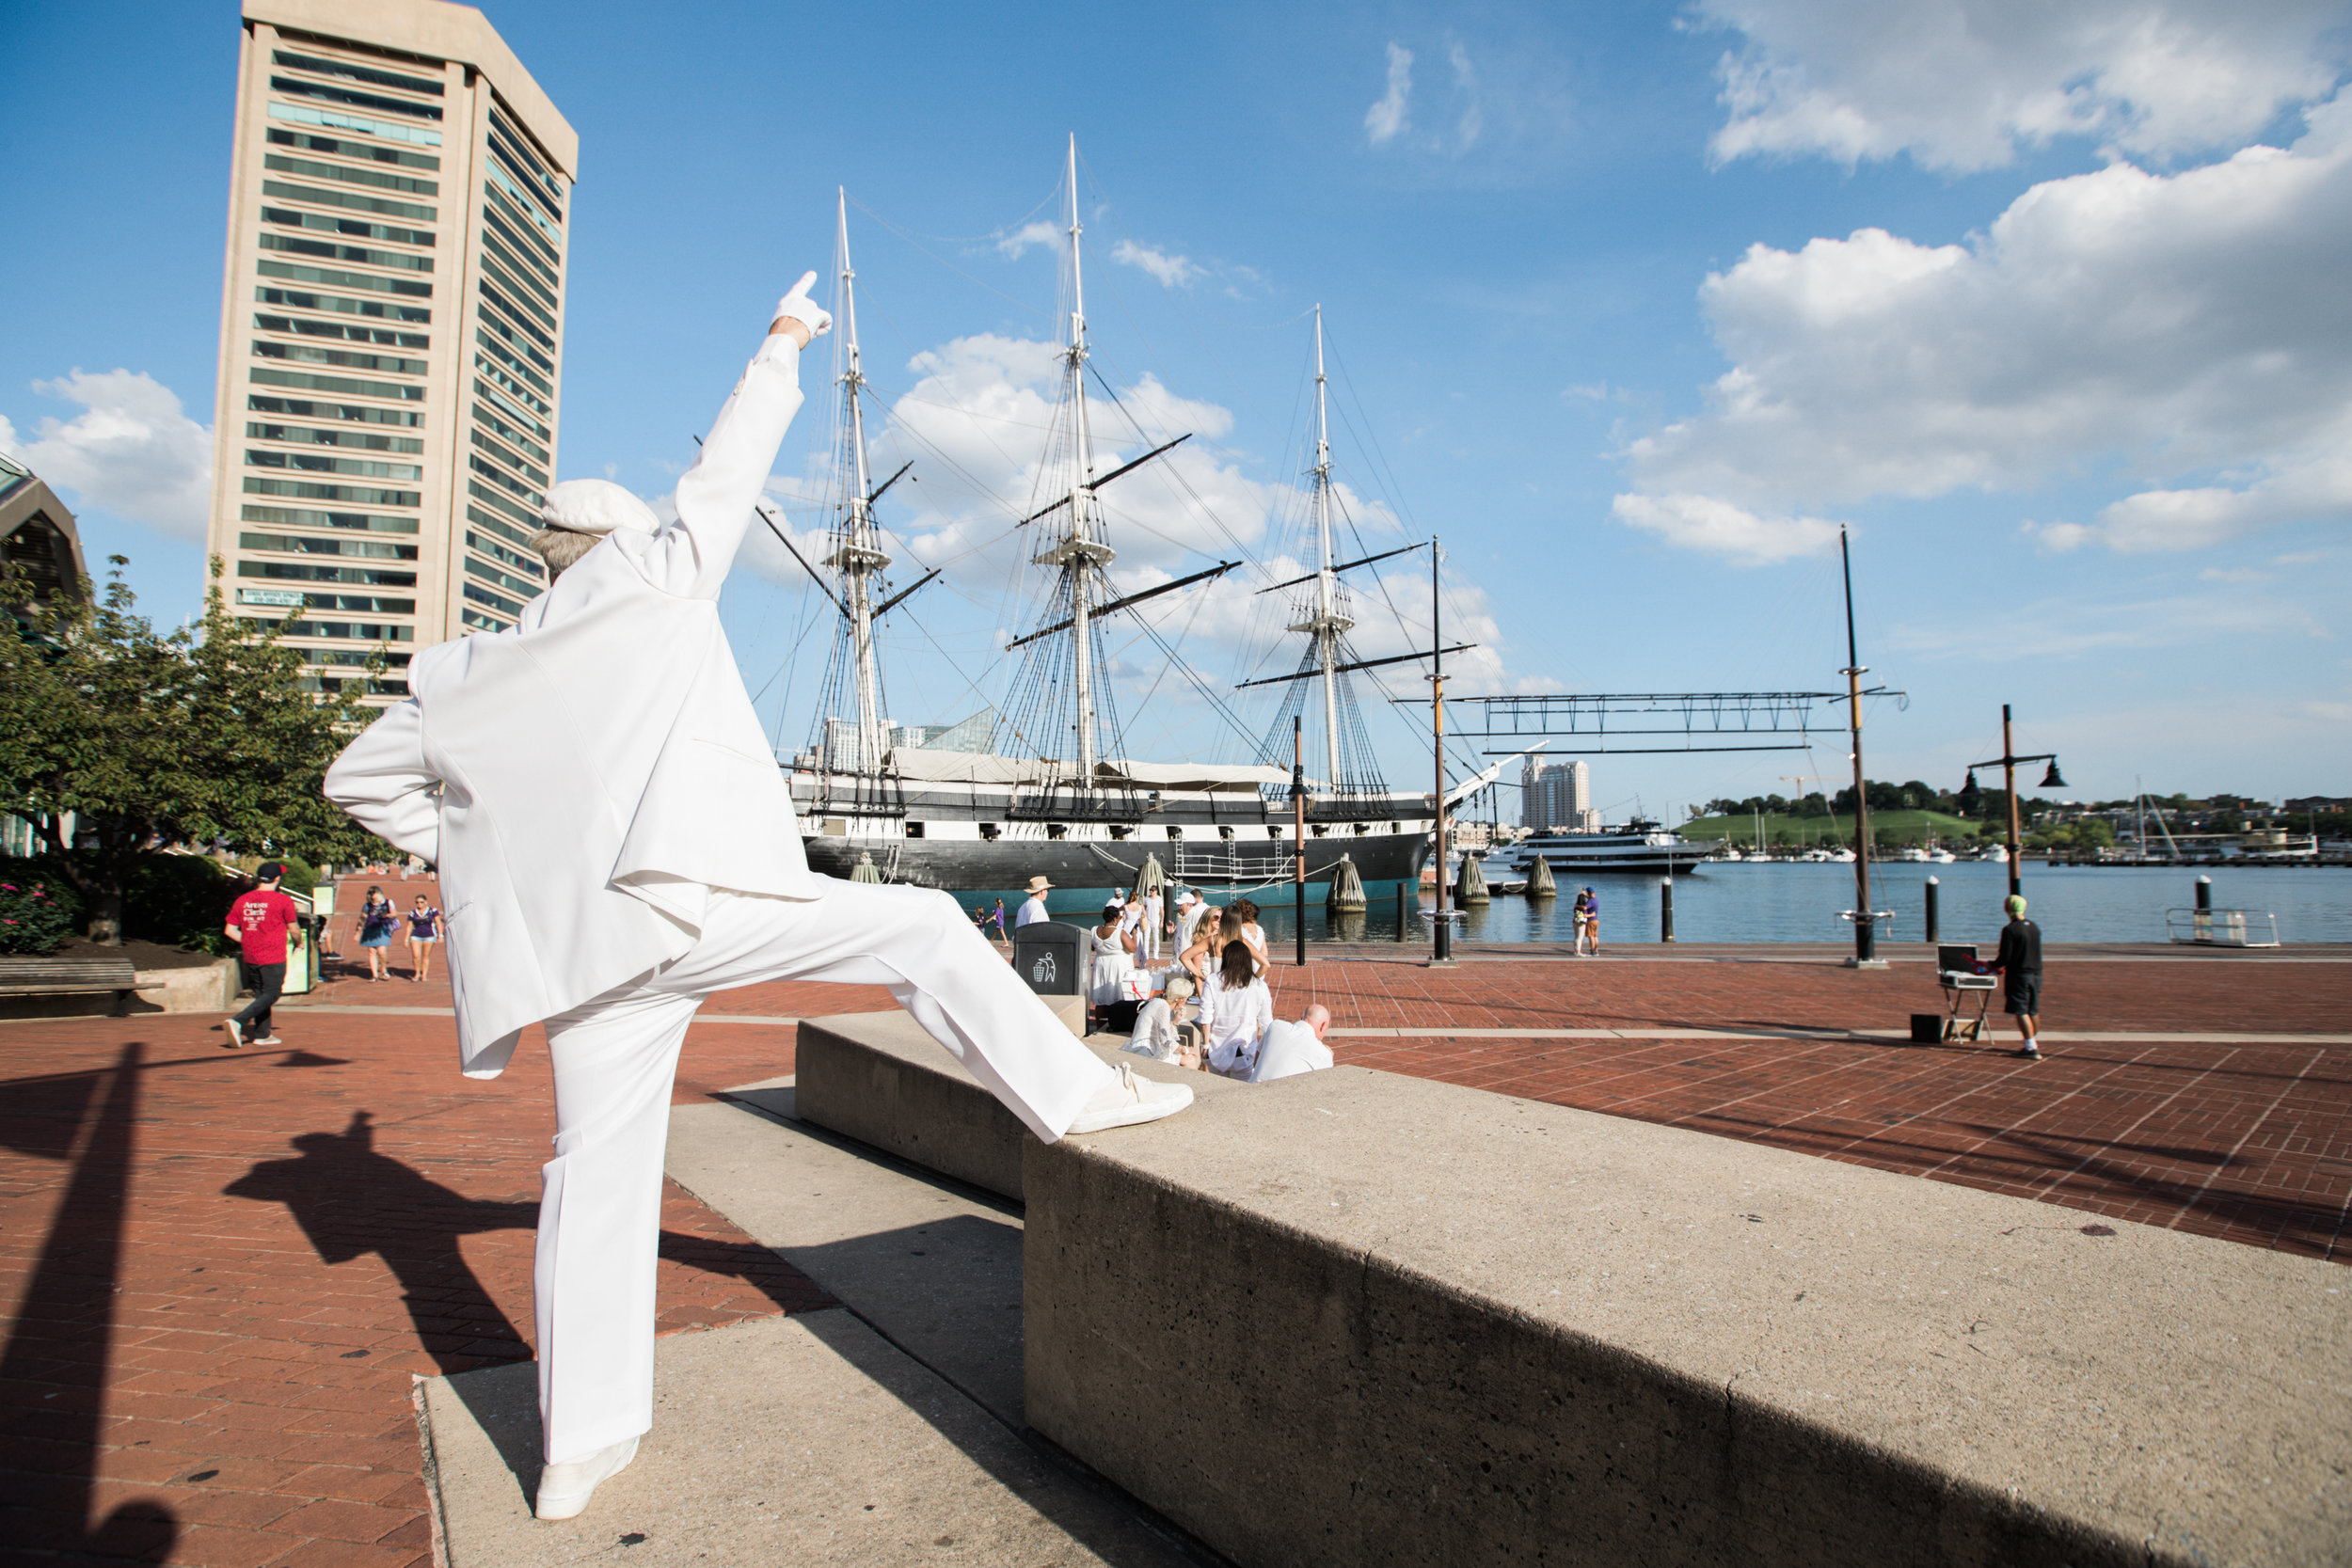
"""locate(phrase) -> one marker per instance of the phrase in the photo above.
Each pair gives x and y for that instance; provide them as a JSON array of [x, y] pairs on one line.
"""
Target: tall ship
[[1043, 784]]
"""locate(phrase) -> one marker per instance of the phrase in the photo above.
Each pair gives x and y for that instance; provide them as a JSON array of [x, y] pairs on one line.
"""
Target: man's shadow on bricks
[[352, 1200]]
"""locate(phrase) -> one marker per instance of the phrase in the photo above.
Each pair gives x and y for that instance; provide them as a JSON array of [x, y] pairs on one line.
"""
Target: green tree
[[204, 736]]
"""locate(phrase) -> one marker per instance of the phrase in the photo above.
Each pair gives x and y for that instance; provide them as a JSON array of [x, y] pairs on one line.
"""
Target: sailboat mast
[[1328, 623], [1325, 625], [858, 559], [1080, 554]]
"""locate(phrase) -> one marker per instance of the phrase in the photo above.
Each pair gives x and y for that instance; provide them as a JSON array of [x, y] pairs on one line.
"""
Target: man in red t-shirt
[[262, 922]]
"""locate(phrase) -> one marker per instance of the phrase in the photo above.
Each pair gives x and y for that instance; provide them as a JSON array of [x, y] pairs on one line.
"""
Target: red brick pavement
[[221, 1271], [2250, 1141]]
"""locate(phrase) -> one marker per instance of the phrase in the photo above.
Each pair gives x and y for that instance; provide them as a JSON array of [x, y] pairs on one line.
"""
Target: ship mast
[[1080, 552], [1328, 623], [858, 558]]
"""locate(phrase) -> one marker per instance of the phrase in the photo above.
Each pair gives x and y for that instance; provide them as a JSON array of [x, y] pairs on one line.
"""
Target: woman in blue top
[[425, 932], [377, 920]]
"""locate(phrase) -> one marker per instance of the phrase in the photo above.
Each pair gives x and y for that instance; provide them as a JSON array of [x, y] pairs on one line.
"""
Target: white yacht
[[1637, 846]]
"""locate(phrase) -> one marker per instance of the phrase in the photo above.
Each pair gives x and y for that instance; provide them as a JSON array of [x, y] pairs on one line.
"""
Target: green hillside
[[1899, 826]]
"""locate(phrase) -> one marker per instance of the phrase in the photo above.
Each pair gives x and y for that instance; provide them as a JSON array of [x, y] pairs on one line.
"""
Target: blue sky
[[1631, 303]]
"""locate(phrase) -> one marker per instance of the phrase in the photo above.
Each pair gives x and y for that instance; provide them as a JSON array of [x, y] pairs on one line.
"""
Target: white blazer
[[584, 779]]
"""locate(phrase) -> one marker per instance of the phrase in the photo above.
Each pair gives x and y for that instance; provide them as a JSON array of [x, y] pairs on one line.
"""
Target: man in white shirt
[[1034, 911], [1154, 915], [615, 842], [1291, 1049], [1188, 909]]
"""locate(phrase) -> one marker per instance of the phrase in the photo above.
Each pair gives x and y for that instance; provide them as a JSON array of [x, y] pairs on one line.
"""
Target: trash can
[[1050, 957]]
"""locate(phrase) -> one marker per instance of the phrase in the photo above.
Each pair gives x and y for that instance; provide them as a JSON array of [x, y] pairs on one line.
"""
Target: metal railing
[[2222, 928]]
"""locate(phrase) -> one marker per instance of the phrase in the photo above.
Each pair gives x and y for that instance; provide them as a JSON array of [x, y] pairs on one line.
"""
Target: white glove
[[803, 309]]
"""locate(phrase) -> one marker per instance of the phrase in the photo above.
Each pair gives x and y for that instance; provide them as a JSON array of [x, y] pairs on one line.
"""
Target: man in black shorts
[[2020, 963]]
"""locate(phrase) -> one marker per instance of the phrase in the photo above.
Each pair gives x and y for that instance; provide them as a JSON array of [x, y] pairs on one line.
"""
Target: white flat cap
[[595, 506]]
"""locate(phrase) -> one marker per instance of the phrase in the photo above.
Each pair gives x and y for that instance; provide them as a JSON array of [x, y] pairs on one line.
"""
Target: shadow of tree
[[54, 1371]]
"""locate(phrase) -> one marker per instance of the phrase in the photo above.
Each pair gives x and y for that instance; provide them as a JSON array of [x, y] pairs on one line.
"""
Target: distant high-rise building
[[391, 328], [1557, 796]]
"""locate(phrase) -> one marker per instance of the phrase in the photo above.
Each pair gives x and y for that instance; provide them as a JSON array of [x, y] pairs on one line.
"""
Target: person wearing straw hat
[[615, 842], [1034, 911]]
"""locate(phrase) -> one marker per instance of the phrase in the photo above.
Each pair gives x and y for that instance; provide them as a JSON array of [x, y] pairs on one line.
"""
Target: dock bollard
[[1935, 927], [2202, 921], [1403, 914], [1666, 909]]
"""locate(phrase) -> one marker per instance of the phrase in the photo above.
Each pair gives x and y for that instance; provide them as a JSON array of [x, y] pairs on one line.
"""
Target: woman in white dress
[[1251, 932], [1110, 952], [1236, 1009]]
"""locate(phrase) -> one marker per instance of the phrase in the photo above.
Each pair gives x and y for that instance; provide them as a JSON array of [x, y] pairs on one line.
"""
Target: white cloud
[[1013, 246], [1966, 84], [1474, 119], [1719, 528], [1388, 117], [132, 451], [1173, 271], [2076, 625], [2187, 331]]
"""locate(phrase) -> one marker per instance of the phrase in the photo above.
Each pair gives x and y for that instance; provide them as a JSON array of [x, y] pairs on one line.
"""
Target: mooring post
[[1666, 909], [1935, 928]]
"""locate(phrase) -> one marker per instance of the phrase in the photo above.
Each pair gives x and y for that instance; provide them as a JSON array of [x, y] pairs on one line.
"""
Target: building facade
[[392, 330], [1557, 798]]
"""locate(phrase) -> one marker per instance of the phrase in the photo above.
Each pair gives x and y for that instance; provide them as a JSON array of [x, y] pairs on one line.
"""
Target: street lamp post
[[2009, 759]]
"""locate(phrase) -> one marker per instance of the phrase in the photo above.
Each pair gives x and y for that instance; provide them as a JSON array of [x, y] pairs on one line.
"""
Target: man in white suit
[[615, 842]]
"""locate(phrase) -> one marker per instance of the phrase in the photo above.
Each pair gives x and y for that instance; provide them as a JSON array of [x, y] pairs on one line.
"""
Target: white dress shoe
[[565, 1489], [1128, 1099]]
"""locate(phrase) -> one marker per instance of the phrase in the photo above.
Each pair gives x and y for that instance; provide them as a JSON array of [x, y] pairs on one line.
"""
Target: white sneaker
[[565, 1489], [1128, 1099]]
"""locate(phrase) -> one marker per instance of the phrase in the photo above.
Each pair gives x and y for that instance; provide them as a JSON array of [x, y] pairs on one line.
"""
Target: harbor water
[[1779, 901]]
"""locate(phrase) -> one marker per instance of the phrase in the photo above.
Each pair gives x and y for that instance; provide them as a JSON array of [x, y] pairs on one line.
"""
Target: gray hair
[[560, 548]]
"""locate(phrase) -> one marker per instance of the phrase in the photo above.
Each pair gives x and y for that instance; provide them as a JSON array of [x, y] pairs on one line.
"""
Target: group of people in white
[[1217, 975]]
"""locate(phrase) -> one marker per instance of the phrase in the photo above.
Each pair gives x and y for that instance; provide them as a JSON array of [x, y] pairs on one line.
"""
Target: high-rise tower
[[391, 328]]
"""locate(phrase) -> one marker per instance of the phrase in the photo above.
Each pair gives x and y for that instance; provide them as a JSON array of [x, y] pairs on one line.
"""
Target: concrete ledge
[[208, 989], [1359, 1318], [877, 1078], [1353, 1317]]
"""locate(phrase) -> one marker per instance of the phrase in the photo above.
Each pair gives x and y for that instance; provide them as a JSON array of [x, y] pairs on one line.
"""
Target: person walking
[[265, 923], [377, 920], [1034, 911], [616, 844], [2019, 962], [425, 934]]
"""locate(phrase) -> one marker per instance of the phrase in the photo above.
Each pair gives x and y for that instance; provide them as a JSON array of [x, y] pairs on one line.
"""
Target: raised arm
[[382, 782], [691, 556]]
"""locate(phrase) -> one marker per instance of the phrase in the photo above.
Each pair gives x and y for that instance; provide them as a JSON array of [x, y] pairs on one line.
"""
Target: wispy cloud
[[1173, 271], [1472, 119], [1388, 117], [1041, 232]]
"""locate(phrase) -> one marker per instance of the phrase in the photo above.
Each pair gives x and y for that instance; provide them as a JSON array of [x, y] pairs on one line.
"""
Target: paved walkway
[[2212, 1094], [220, 1271]]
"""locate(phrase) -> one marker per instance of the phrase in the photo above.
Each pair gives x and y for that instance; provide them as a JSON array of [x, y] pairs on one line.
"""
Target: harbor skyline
[[1556, 253]]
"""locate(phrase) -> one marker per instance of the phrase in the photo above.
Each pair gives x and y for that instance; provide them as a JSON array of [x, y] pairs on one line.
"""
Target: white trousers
[[615, 1057]]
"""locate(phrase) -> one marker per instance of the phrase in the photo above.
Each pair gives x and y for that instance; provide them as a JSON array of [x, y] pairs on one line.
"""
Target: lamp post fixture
[[2008, 761]]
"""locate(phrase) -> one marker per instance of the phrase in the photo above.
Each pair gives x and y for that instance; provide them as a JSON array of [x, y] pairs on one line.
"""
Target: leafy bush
[[181, 901], [37, 914]]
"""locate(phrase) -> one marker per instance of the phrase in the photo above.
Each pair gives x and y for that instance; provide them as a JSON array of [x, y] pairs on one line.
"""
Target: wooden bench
[[21, 976]]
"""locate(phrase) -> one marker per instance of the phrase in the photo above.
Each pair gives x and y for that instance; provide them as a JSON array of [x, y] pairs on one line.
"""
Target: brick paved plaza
[[222, 1270]]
